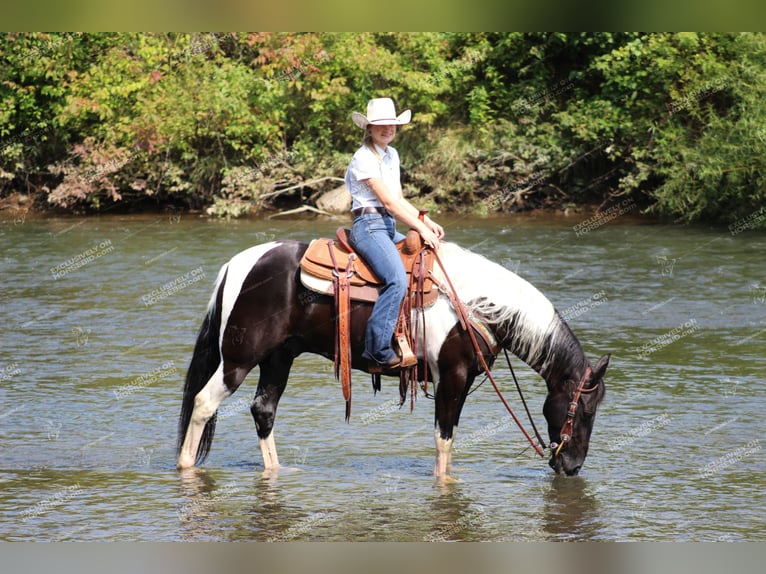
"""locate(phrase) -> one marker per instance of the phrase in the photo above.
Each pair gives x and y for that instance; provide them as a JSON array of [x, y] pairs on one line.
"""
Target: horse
[[260, 314]]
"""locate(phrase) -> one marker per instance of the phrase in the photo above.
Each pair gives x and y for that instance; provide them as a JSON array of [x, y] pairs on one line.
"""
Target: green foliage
[[712, 156], [501, 121]]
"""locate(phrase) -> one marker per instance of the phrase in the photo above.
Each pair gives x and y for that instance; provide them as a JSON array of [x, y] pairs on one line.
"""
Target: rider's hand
[[430, 238], [435, 227]]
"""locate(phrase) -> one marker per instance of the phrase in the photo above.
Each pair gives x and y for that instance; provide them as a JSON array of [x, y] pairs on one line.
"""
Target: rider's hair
[[367, 137]]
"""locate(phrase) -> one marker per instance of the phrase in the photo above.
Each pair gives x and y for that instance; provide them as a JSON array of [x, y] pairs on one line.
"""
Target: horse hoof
[[275, 472], [184, 464], [444, 479]]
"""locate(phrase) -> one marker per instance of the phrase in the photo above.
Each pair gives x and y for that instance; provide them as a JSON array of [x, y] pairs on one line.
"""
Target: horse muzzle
[[561, 461]]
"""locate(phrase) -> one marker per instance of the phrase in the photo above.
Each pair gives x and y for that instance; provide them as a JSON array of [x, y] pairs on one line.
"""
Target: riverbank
[[500, 122], [17, 207]]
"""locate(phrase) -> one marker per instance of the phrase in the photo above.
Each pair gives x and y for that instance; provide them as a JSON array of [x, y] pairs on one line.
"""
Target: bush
[[501, 122]]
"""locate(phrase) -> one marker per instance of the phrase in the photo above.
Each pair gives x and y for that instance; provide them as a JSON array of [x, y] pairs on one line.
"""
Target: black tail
[[204, 362]]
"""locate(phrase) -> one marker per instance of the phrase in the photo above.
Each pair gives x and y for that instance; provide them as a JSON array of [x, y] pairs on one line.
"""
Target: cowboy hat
[[381, 112]]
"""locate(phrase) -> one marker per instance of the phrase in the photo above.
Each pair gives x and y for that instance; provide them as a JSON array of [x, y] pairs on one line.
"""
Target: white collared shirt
[[365, 165]]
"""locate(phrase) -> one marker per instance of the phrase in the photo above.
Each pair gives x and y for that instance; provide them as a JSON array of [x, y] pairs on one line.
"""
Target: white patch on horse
[[440, 318], [269, 452], [214, 294], [206, 403], [443, 453], [498, 292], [238, 269]]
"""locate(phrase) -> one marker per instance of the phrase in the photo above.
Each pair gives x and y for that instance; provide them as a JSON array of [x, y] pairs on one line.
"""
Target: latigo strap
[[341, 286]]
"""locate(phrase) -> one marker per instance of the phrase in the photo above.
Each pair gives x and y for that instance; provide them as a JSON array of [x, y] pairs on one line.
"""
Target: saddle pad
[[311, 282]]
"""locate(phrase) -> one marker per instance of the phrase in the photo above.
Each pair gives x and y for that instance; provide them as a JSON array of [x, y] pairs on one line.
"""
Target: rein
[[524, 402], [465, 324]]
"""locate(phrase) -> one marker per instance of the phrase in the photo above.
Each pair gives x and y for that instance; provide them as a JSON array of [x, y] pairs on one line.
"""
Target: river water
[[100, 315]]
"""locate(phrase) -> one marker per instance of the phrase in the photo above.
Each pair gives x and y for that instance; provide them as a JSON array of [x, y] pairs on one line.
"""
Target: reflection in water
[[570, 513], [197, 486], [453, 515], [268, 516], [195, 481], [261, 511]]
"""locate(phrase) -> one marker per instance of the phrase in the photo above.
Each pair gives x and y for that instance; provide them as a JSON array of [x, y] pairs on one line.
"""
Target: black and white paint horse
[[260, 314]]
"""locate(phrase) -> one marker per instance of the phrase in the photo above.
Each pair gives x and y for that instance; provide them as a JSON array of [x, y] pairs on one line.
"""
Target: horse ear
[[600, 369]]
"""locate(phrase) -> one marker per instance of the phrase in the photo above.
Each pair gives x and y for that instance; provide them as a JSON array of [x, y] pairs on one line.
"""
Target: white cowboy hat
[[381, 112]]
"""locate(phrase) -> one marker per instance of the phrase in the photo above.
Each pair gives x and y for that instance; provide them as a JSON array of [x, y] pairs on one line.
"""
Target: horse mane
[[525, 321]]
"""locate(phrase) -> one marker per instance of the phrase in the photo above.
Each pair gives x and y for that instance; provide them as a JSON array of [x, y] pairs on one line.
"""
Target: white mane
[[500, 294]]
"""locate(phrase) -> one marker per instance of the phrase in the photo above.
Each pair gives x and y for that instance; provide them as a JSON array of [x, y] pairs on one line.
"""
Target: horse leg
[[451, 393], [273, 379], [443, 453], [206, 404]]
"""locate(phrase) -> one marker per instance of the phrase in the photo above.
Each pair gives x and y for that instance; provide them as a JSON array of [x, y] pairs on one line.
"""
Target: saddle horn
[[413, 242]]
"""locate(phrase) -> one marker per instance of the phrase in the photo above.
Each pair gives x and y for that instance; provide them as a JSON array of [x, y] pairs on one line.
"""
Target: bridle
[[568, 427]]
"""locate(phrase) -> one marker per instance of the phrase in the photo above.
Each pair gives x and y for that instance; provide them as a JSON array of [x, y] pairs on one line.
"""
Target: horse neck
[[563, 358], [552, 350], [524, 320]]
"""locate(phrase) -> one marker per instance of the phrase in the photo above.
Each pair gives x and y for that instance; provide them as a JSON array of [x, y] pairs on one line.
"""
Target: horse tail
[[204, 363]]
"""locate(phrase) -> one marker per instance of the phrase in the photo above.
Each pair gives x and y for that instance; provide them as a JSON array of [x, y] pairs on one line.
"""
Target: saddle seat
[[318, 267]]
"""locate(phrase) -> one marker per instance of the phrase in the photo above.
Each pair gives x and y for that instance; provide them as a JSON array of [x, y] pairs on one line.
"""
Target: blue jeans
[[373, 236]]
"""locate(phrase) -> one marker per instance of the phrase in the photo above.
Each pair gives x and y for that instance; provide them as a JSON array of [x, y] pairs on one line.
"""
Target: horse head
[[570, 410]]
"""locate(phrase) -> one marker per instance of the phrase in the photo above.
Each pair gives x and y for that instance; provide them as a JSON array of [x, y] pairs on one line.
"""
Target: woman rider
[[372, 178]]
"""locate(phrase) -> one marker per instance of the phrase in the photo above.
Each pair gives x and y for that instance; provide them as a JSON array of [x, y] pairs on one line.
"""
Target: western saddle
[[331, 267]]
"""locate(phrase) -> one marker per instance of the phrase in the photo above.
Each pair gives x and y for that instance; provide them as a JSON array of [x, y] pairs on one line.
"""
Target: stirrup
[[405, 352]]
